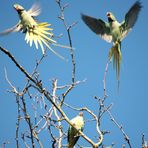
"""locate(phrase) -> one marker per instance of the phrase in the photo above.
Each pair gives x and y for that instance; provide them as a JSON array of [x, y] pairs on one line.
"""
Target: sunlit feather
[[39, 34], [115, 54]]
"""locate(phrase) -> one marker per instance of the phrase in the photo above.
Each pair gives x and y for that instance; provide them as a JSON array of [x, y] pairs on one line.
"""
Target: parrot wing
[[73, 134], [73, 137], [98, 26], [130, 18], [16, 28], [35, 10]]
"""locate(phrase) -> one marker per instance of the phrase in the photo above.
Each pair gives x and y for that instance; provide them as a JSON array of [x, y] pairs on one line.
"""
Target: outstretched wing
[[130, 18], [35, 10], [16, 28], [98, 26]]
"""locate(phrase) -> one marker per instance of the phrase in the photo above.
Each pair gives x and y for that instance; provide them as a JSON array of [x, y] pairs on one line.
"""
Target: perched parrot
[[39, 33], [73, 134], [113, 31]]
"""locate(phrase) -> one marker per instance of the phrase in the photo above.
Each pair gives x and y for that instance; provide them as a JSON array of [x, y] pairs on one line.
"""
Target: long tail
[[115, 54], [41, 35]]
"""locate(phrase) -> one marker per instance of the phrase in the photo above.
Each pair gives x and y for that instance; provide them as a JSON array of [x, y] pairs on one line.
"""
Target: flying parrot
[[113, 31], [73, 134], [38, 33]]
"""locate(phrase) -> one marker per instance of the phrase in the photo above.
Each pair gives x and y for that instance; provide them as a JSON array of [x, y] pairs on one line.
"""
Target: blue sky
[[91, 53]]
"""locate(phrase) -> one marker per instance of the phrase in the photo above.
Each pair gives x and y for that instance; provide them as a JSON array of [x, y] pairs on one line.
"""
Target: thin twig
[[56, 114], [18, 121], [16, 63], [13, 88], [121, 128], [23, 138], [70, 87], [68, 29], [28, 120], [4, 144], [104, 81]]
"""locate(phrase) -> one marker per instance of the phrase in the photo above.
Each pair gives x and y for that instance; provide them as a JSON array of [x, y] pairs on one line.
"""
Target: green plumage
[[39, 34], [73, 134], [113, 31], [116, 56]]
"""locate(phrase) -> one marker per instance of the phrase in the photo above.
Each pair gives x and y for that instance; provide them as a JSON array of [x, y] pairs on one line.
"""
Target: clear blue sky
[[130, 104]]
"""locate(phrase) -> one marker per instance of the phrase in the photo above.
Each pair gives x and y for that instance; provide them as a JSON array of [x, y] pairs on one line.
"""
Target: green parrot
[[38, 33], [113, 31], [73, 135]]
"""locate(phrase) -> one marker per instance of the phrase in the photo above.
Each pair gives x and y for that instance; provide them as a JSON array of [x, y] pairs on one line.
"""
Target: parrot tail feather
[[41, 35], [115, 54]]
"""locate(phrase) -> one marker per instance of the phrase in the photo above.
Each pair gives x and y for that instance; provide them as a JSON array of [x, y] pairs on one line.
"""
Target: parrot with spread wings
[[38, 33], [113, 31]]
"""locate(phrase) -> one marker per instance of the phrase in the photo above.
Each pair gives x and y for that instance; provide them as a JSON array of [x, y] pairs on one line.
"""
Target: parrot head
[[81, 114], [110, 17], [18, 7]]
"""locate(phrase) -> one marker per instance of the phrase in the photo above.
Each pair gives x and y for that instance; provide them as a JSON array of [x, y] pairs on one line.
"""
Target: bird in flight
[[113, 31], [38, 33]]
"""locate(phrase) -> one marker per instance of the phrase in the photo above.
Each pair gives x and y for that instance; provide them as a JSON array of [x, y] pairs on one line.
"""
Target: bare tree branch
[[52, 116], [16, 63], [121, 129]]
